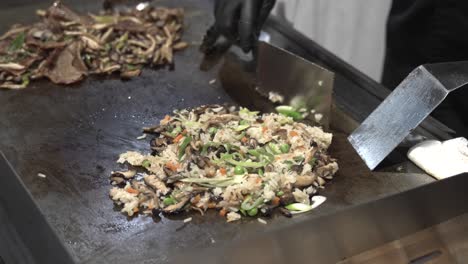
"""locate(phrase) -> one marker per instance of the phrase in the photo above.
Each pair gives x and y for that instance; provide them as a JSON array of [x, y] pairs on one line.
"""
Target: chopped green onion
[[274, 148], [243, 122], [169, 201], [238, 170], [289, 111], [247, 206], [284, 148], [18, 42], [212, 130], [183, 146], [176, 131], [253, 211], [131, 67], [260, 172], [312, 162], [104, 19], [242, 212], [280, 193], [298, 207], [146, 163], [25, 80], [241, 127], [247, 164], [248, 112], [269, 157], [254, 152], [298, 159]]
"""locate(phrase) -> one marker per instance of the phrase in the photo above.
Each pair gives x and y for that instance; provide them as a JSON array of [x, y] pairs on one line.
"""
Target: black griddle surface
[[74, 135]]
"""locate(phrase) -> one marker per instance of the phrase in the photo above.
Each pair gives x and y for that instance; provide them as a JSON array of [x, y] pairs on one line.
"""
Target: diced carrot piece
[[131, 190], [264, 129], [223, 171], [135, 209], [275, 201], [178, 138], [167, 118], [244, 140], [223, 212], [196, 199], [172, 166], [212, 205], [293, 133], [258, 180]]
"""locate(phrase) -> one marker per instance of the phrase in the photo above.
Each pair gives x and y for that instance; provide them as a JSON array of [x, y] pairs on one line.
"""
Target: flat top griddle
[[74, 135]]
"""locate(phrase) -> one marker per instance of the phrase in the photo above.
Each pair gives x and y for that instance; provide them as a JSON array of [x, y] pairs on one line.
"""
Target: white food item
[[232, 216], [261, 221], [441, 159], [42, 175], [141, 137], [186, 220], [275, 97], [317, 200]]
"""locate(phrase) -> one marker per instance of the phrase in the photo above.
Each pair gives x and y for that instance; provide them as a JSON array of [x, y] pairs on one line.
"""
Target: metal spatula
[[301, 82], [405, 108]]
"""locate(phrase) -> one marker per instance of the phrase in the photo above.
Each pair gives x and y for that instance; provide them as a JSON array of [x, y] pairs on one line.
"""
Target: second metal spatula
[[405, 108]]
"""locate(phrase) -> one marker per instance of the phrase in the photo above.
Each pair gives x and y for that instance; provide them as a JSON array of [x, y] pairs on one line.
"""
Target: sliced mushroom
[[281, 133], [305, 180], [287, 198], [327, 170], [124, 174]]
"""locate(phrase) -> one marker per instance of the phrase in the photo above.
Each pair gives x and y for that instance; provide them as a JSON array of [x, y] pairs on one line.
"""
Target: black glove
[[240, 21]]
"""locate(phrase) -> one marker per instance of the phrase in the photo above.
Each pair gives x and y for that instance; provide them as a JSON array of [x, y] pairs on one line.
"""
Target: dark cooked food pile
[[65, 46], [233, 160]]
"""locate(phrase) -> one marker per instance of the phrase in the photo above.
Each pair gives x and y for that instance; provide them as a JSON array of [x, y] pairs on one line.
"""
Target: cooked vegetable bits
[[65, 46], [236, 161]]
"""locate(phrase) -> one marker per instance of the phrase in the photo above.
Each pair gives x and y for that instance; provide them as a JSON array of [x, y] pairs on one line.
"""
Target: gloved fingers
[[209, 40], [265, 11], [248, 24], [227, 15]]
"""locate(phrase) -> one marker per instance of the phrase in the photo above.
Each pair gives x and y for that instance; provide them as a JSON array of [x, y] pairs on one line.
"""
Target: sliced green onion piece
[[274, 148], [280, 193], [241, 127], [18, 42], [246, 164], [247, 206], [289, 111], [312, 162], [146, 163], [298, 159], [299, 207], [242, 212], [176, 131], [183, 146], [212, 130], [243, 122], [254, 152], [238, 170], [168, 201], [260, 172], [284, 148], [253, 211]]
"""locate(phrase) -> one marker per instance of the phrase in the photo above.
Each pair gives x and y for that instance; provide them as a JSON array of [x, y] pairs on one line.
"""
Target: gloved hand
[[240, 21]]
